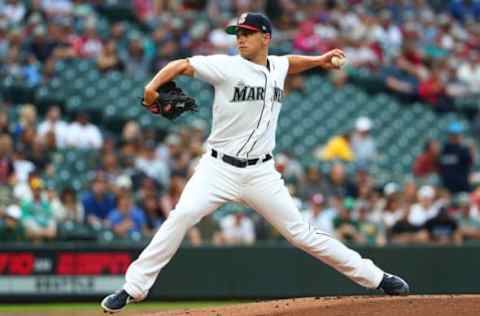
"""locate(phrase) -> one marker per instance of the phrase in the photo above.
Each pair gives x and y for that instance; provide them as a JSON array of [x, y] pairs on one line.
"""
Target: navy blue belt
[[240, 163]]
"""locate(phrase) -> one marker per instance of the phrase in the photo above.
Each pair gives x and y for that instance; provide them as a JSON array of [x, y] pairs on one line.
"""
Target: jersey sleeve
[[281, 62], [211, 69]]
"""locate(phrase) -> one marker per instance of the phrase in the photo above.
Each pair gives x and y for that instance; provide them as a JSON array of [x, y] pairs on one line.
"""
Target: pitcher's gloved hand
[[171, 102]]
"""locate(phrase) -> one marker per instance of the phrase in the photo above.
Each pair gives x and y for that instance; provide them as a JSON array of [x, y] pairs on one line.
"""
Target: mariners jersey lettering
[[247, 102]]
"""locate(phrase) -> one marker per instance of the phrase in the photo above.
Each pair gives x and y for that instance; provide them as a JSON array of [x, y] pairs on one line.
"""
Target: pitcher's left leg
[[267, 194]]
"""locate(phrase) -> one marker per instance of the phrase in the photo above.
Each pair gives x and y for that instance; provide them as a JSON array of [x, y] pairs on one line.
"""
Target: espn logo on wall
[[66, 273]]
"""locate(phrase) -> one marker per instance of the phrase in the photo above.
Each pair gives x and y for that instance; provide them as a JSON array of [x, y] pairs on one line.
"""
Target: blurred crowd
[[418, 49], [139, 176]]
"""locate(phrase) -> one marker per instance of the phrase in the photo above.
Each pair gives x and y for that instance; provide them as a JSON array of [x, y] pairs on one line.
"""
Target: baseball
[[337, 61]]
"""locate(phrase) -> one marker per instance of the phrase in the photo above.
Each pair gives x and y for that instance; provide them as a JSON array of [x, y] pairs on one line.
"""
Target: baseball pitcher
[[238, 165]]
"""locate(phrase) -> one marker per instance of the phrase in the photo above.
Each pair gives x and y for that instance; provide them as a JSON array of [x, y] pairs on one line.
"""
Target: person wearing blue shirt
[[127, 220], [99, 202]]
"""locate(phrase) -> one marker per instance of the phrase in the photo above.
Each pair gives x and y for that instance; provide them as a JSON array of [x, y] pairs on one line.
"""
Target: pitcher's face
[[251, 43]]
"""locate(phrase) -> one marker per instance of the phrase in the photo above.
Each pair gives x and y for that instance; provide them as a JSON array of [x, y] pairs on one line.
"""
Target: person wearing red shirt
[[426, 163]]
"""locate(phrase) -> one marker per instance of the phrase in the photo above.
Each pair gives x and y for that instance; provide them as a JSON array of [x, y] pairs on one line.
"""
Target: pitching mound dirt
[[436, 305]]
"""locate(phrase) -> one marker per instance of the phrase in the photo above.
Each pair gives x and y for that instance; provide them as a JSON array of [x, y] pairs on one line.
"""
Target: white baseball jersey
[[247, 102]]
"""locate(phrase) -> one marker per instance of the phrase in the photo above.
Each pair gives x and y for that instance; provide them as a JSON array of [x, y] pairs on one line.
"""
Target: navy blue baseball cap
[[251, 21]]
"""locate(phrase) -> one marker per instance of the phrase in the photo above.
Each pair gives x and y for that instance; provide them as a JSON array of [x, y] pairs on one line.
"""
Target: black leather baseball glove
[[171, 102]]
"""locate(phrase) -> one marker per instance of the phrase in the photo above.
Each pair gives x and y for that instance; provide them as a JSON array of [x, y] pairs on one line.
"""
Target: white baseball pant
[[261, 187]]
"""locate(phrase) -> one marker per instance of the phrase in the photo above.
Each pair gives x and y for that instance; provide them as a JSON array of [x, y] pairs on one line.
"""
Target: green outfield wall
[[77, 271]]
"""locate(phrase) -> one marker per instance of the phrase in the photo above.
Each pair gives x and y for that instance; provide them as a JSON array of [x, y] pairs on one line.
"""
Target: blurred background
[[382, 154]]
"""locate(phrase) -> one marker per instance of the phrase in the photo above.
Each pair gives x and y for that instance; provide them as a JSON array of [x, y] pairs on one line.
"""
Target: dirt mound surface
[[435, 305]]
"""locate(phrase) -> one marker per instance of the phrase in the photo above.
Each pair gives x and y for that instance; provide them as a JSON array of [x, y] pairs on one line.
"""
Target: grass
[[157, 306]]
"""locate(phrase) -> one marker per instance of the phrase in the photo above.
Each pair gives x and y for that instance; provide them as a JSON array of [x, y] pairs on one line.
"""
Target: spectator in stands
[[222, 43], [469, 72], [123, 184], [393, 217], [83, 134], [137, 62], [337, 183], [131, 132], [443, 229], [71, 209], [41, 45], [154, 214], [144, 10], [108, 60], [37, 215], [4, 43], [11, 67], [362, 185], [4, 123], [127, 220], [206, 232], [53, 122], [467, 218], [409, 192], [65, 38], [388, 35], [28, 119], [455, 161], [393, 210], [147, 187], [48, 72], [363, 144], [238, 228], [169, 149], [39, 156], [346, 228], [90, 44], [172, 194], [425, 209], [168, 51], [318, 215], [30, 71], [98, 202], [152, 167], [14, 11], [314, 183], [405, 233], [426, 163], [11, 228], [118, 35], [110, 167], [361, 54], [337, 148], [23, 166], [26, 141], [433, 91], [475, 196], [399, 79], [109, 146], [7, 170], [306, 40], [371, 232]]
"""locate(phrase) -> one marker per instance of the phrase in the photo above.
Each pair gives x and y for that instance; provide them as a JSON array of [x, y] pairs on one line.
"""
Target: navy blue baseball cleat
[[116, 302], [393, 285]]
